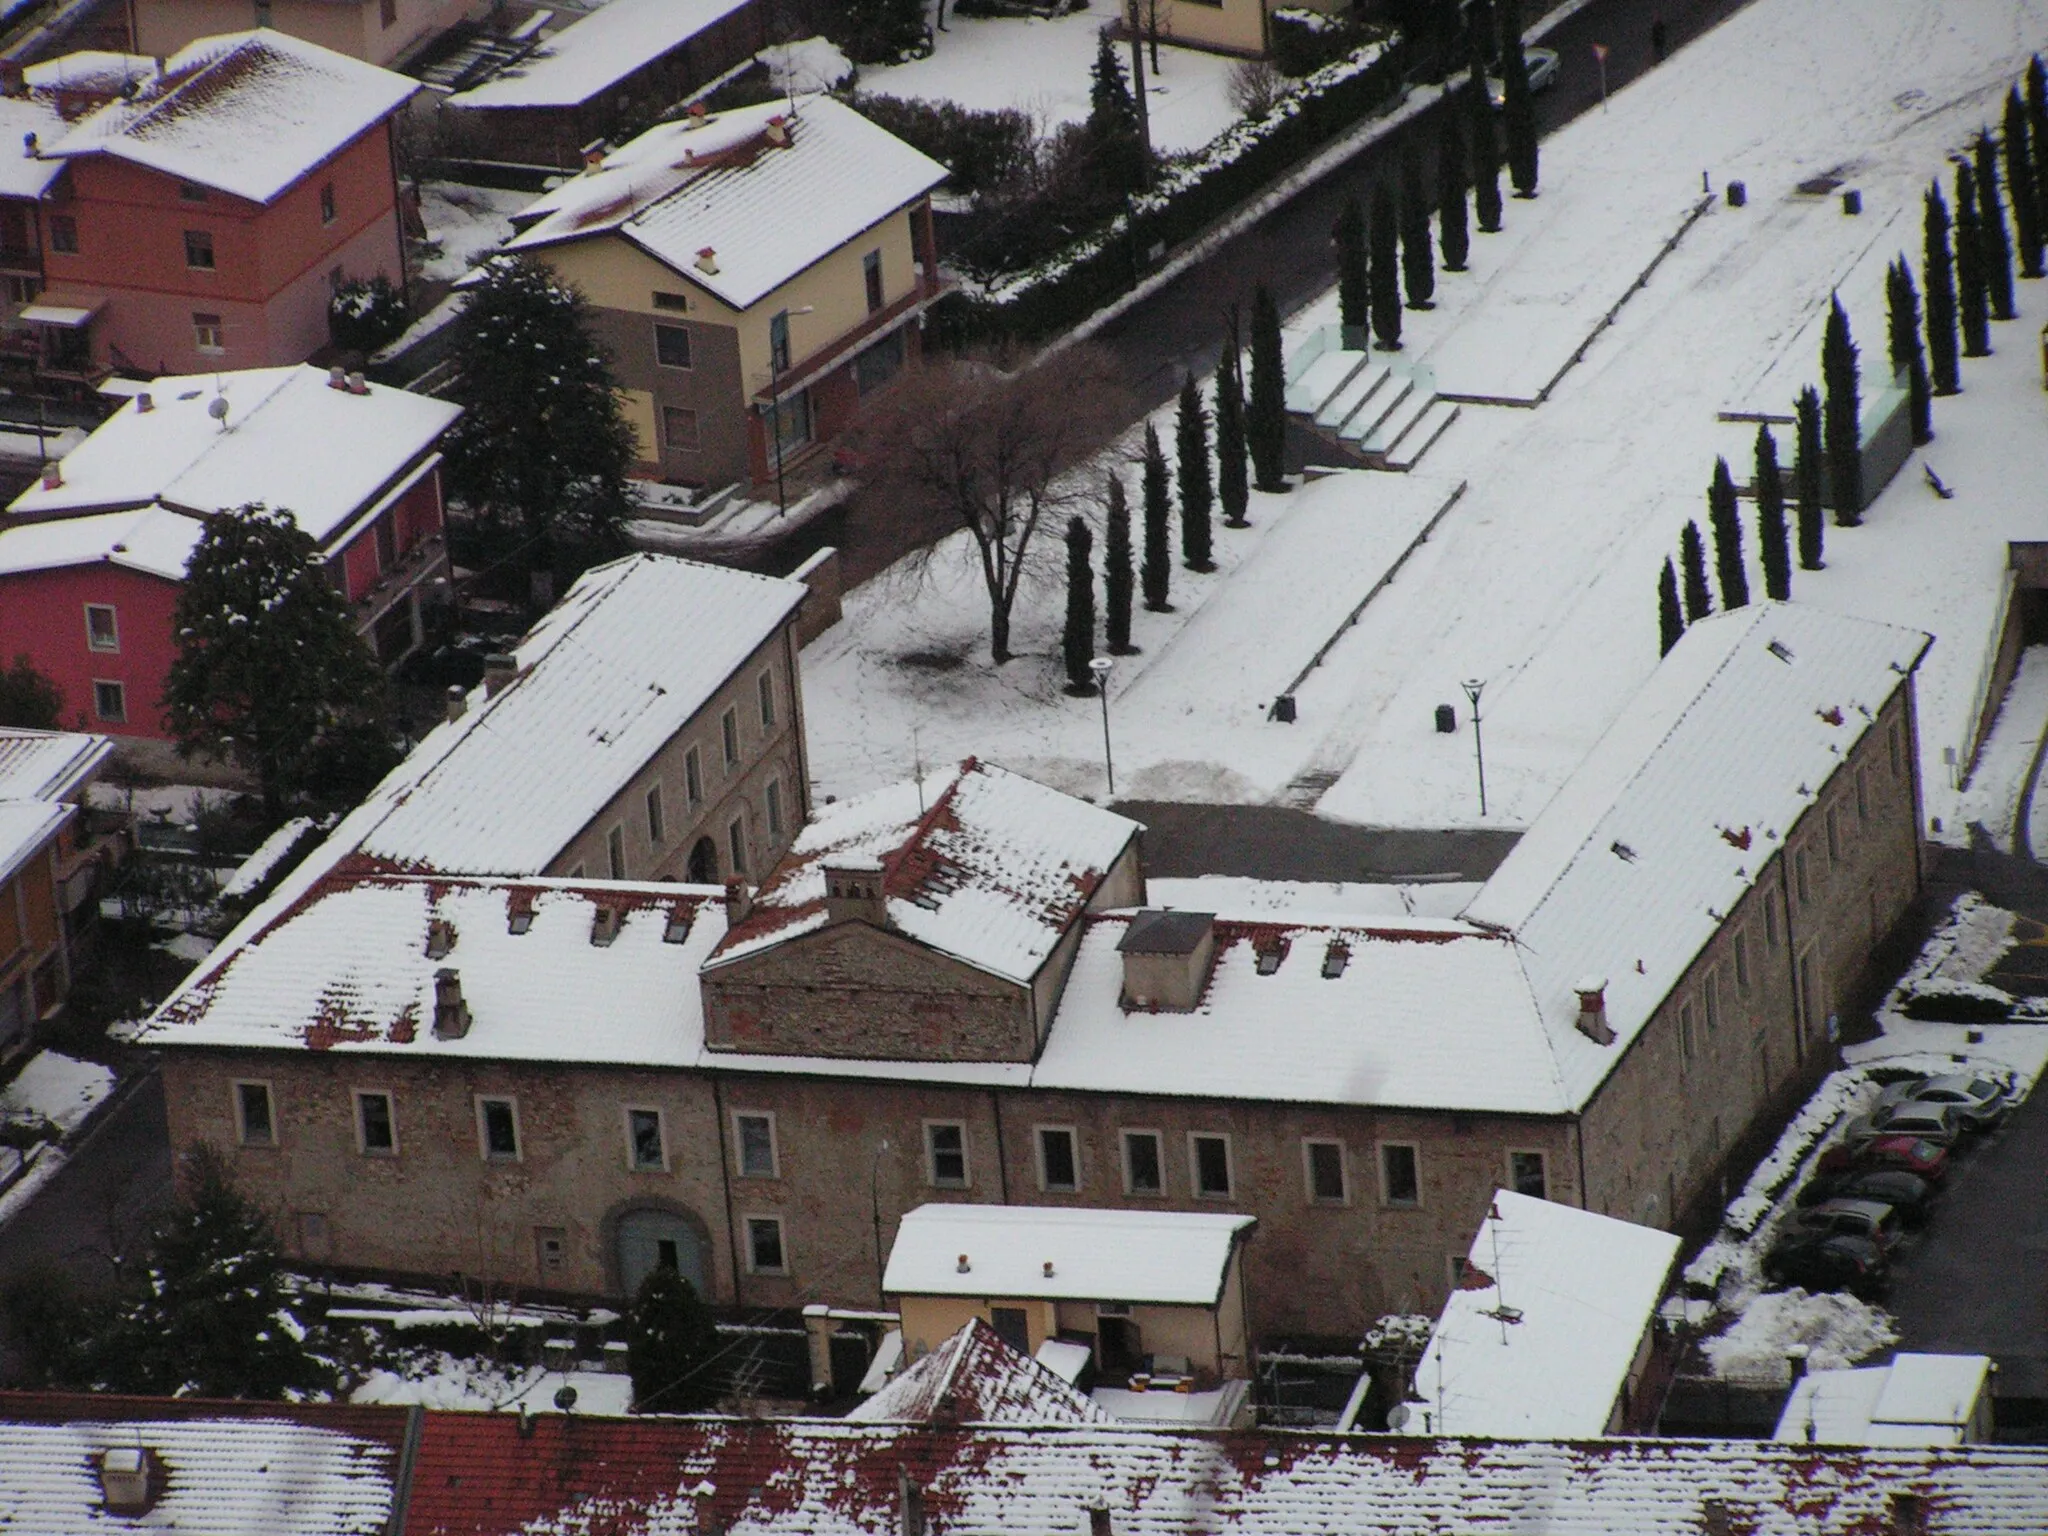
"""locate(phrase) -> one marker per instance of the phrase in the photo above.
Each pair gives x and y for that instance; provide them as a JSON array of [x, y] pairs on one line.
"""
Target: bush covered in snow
[[983, 150], [364, 313]]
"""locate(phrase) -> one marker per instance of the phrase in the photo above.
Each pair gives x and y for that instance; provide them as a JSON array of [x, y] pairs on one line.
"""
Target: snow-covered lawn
[[56, 1088], [440, 1380], [464, 224], [1041, 67]]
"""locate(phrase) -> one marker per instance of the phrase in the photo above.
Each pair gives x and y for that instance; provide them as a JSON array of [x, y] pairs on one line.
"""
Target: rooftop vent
[[604, 925], [499, 670], [707, 260], [854, 894], [1592, 1021], [143, 403], [456, 701], [1780, 649], [358, 385], [593, 154], [1048, 1269], [778, 130], [451, 1013], [31, 146], [125, 1479], [1166, 959], [440, 938], [337, 377], [53, 476], [963, 1267]]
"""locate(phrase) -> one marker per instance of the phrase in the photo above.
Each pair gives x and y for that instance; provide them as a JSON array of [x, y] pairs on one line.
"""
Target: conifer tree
[[1116, 142], [1418, 260], [1726, 521], [1809, 480], [1118, 575], [1908, 357], [1518, 103], [1991, 230], [2037, 133], [1232, 488], [1692, 554], [1973, 281], [1842, 417], [1354, 276], [1670, 621], [1155, 574], [1386, 274], [671, 1341], [1077, 639], [1453, 235], [1265, 421], [1486, 203], [1197, 489], [1939, 266], [1773, 538], [2022, 188]]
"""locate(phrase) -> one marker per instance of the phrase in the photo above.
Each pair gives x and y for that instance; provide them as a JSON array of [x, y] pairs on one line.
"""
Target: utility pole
[[1138, 87], [1472, 687]]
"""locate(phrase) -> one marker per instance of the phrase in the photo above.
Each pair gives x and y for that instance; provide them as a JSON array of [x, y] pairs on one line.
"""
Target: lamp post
[[1101, 666], [775, 369], [875, 1206], [1472, 687]]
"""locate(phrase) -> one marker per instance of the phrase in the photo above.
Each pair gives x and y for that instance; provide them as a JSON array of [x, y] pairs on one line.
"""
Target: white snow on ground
[[465, 223], [1838, 1330], [447, 1382], [1992, 798], [806, 65], [56, 1088], [1041, 67]]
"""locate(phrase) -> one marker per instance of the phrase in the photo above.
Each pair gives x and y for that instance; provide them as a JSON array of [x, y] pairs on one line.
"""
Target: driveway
[[1271, 842]]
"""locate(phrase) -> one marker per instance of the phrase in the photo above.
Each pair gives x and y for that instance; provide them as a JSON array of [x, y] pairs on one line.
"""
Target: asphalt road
[[1271, 842]]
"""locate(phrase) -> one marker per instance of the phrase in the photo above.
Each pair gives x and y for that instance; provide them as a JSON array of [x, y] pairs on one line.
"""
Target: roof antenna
[[917, 760]]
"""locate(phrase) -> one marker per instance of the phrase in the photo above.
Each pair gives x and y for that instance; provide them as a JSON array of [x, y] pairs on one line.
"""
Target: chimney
[[337, 377], [144, 404], [778, 130], [440, 938], [1908, 1515], [1795, 1360], [853, 893], [593, 154], [31, 146], [357, 384], [53, 476], [909, 1505], [604, 925], [1166, 959], [1592, 1019], [1098, 1521], [499, 670], [451, 1014], [125, 1480], [457, 701], [697, 110], [707, 260], [13, 79], [962, 1267], [739, 901]]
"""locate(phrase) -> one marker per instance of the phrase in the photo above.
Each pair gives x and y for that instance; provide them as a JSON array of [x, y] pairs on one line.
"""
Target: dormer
[[1166, 959], [853, 893]]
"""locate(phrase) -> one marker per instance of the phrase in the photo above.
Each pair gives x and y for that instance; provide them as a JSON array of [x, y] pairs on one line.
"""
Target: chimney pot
[[963, 1267], [1795, 1360], [457, 701], [451, 1014], [144, 404], [1048, 1269], [499, 670], [604, 926], [31, 146], [357, 384], [53, 477], [125, 1479], [1592, 1020], [593, 154], [440, 938], [707, 260], [739, 901]]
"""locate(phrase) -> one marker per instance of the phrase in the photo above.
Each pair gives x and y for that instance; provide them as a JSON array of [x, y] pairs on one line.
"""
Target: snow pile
[[806, 65], [56, 1090], [1837, 1330], [464, 224]]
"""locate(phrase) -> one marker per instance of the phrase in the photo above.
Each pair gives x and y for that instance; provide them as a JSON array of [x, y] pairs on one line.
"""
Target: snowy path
[[1993, 796]]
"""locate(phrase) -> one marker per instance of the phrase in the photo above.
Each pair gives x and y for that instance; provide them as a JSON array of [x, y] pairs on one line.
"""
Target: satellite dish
[[217, 408], [1398, 1417], [565, 1398]]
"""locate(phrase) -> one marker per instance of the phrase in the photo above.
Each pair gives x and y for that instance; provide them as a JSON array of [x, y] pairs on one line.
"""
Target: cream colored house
[[379, 31]]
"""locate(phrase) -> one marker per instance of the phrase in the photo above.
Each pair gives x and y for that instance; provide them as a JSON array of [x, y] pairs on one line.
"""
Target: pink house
[[91, 558]]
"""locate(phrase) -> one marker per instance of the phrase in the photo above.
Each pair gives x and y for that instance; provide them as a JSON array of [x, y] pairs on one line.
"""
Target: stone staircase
[[1376, 409]]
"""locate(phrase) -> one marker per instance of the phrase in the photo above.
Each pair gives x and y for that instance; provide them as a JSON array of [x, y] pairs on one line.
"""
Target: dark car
[[1908, 1154], [1852, 1218], [1826, 1261], [1906, 1193]]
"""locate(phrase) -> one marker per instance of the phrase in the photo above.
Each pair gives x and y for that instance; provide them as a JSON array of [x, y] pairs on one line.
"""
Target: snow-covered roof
[[23, 174], [89, 69], [1538, 1340], [976, 1378], [633, 650], [766, 211], [153, 541], [1633, 865], [247, 113], [594, 53], [1915, 1400], [1064, 1253], [25, 827], [979, 863], [292, 441], [48, 765]]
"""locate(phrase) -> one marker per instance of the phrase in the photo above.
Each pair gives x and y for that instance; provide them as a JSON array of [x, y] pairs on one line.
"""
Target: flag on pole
[[1600, 52]]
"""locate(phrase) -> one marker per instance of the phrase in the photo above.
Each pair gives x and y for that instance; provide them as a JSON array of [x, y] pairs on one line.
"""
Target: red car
[[1908, 1154]]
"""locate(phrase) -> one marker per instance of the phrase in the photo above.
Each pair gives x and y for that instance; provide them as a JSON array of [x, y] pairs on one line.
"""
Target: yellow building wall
[[928, 1321], [1235, 26]]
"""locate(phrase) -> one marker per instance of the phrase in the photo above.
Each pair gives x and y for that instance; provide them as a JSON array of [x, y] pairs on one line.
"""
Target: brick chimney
[[127, 1480], [499, 670], [451, 1014], [739, 901], [1592, 1020], [457, 700], [853, 893], [1166, 959]]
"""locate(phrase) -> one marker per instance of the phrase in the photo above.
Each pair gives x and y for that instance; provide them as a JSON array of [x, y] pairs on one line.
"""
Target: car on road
[[1853, 1218], [1826, 1261], [1979, 1102], [1937, 1123], [1542, 63], [1907, 1193], [1908, 1154]]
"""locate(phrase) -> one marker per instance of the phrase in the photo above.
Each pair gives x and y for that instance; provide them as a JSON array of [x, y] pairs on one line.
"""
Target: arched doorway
[[650, 1238], [703, 863]]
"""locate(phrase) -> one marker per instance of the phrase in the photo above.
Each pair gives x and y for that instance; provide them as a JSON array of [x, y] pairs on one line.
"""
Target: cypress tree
[[1386, 276], [1197, 490], [1418, 260], [1808, 480], [1772, 536], [1991, 230], [1842, 417], [1156, 573], [1692, 551], [1118, 576], [1940, 268], [2037, 133], [1670, 621], [1232, 488], [1518, 104], [1077, 640], [1115, 137], [2022, 188], [1265, 423], [1908, 357], [671, 1342], [1354, 277], [1726, 522], [1486, 204], [1452, 234], [1973, 280]]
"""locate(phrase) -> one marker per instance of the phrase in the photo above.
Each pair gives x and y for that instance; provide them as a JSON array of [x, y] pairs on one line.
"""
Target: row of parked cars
[[1878, 1181]]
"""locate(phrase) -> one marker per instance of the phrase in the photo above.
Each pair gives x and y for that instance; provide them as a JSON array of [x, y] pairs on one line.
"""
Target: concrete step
[[1415, 442], [1344, 404], [1386, 401], [1396, 422], [1323, 378]]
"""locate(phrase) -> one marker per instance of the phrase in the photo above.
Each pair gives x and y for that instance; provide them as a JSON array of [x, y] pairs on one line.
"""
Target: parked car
[[1853, 1218], [1979, 1102], [1908, 1154], [1826, 1261], [1542, 64], [1907, 1193], [1937, 1123]]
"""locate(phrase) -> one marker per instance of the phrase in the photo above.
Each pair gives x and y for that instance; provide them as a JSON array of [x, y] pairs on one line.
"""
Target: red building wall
[[42, 616], [415, 516]]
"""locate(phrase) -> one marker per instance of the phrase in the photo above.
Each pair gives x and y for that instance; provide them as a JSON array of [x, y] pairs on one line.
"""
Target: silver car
[[1937, 1123], [1542, 66], [1979, 1102]]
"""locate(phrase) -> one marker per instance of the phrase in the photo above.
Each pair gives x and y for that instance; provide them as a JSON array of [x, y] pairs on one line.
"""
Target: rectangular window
[[871, 274], [110, 701], [671, 345], [1802, 876], [1863, 797], [729, 736], [766, 688], [789, 422], [646, 1147], [385, 531], [1685, 1028], [376, 1126], [327, 203], [773, 794], [1527, 1175], [102, 628], [615, 851], [1400, 1182], [254, 1122], [736, 843], [1770, 920], [765, 1253], [945, 1148], [876, 365], [778, 342], [656, 831], [1143, 1174], [191, 192], [753, 1137], [693, 777], [1058, 1167], [1742, 960], [199, 249], [1324, 1163], [1891, 736], [676, 301], [387, 13], [497, 1122], [1210, 1158], [1833, 820], [64, 237], [1710, 1002], [208, 334], [679, 429]]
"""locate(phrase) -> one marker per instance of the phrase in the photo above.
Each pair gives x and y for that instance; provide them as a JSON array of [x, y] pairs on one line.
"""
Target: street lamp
[[882, 1150], [775, 368], [1101, 666], [1472, 687]]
